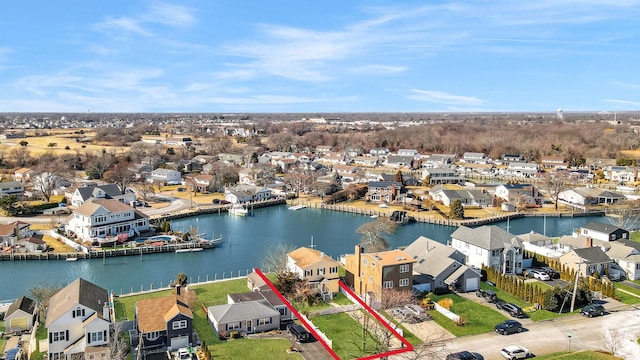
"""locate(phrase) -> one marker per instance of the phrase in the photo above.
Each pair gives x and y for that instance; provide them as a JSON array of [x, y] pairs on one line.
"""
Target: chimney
[[106, 312], [589, 242], [178, 288]]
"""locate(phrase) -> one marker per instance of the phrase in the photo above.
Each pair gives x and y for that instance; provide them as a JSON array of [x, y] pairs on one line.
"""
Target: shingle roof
[[592, 255], [242, 311], [111, 205], [80, 292], [600, 227], [305, 257], [153, 314], [391, 257], [486, 237], [22, 303], [111, 190]]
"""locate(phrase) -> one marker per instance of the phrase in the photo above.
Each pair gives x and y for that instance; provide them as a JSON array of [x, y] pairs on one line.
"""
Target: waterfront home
[[164, 323], [540, 244], [20, 315], [11, 188], [522, 169], [603, 232], [383, 191], [439, 266], [106, 221], [442, 175], [489, 246], [468, 197], [586, 261], [243, 317], [581, 197], [525, 194], [247, 193], [256, 283], [553, 162], [107, 191], [621, 174], [78, 322], [32, 244], [165, 176], [14, 231], [370, 274], [318, 271], [272, 298]]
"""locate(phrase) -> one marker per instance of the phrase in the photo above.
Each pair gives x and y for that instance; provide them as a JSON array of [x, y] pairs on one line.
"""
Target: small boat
[[374, 216], [71, 259], [383, 205], [297, 207], [238, 210], [188, 250]]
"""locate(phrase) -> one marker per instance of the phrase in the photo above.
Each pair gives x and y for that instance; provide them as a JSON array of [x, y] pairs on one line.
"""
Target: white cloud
[[441, 97], [122, 25], [170, 14], [379, 69], [624, 103]]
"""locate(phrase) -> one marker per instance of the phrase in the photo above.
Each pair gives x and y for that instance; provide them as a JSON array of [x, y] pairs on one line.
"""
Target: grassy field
[[479, 318], [254, 349], [623, 296], [536, 315], [346, 334], [580, 355], [61, 138]]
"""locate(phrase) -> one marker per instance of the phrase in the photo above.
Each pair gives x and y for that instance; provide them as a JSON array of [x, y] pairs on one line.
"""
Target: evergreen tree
[[457, 210]]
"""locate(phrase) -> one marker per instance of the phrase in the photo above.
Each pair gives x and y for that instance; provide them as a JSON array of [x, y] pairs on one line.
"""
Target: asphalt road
[[572, 332]]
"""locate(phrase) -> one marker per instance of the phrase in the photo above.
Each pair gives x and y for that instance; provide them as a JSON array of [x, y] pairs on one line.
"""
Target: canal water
[[246, 240]]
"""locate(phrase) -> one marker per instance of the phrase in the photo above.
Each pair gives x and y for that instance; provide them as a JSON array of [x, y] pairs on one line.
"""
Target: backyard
[[478, 318], [348, 336]]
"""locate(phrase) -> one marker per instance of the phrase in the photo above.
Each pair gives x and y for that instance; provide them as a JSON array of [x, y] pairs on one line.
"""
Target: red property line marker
[[407, 346]]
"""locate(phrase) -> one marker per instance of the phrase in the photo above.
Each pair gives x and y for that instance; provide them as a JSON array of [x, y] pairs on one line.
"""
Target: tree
[[8, 204], [555, 184], [181, 280], [118, 347], [372, 232], [457, 210], [24, 143], [98, 165], [625, 216], [398, 177], [21, 155], [121, 175], [275, 260], [145, 190], [46, 182], [614, 340], [42, 294]]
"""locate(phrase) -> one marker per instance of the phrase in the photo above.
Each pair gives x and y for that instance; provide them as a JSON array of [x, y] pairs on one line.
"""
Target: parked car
[[462, 355], [592, 310], [513, 352], [540, 275], [500, 304], [488, 295], [551, 272], [299, 333], [15, 353], [184, 354], [513, 310], [508, 327]]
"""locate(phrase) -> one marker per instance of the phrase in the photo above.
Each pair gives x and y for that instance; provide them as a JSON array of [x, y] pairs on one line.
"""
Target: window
[[153, 336], [370, 279], [365, 261], [98, 336], [308, 272], [233, 326], [387, 285], [637, 266], [59, 336], [404, 282], [264, 321], [283, 311], [320, 271], [177, 325], [404, 268], [333, 270]]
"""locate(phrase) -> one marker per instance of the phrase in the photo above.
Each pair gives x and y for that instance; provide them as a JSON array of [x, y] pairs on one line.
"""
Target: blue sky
[[319, 56]]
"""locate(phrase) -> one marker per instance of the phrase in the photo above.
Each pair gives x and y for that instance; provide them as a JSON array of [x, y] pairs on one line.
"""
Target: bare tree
[[625, 216], [121, 175], [145, 189], [47, 181], [555, 184], [372, 232], [275, 260], [614, 340], [433, 348], [42, 294], [21, 155], [118, 347]]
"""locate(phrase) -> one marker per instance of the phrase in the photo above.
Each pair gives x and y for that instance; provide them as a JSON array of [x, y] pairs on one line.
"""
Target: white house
[[107, 191], [247, 193], [522, 169], [525, 194], [78, 321], [489, 246], [583, 196], [106, 221], [11, 188], [166, 176]]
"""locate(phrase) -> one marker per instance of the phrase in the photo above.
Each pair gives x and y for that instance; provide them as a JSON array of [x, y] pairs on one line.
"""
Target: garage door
[[472, 284], [18, 324], [179, 342]]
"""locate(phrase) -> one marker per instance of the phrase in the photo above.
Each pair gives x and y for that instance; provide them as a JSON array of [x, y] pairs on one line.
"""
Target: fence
[[322, 335], [448, 313]]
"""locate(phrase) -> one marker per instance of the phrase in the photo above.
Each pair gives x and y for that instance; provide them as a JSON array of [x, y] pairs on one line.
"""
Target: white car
[[540, 275], [513, 352]]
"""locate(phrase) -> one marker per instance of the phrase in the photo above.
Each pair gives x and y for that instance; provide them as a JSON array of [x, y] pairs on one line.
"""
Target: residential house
[[413, 153], [164, 323], [489, 246], [353, 151], [20, 315], [78, 322], [584, 196], [256, 283], [525, 194], [540, 244], [202, 183], [285, 164], [247, 193], [586, 261], [247, 176], [32, 244], [286, 315], [368, 161], [553, 162], [318, 270], [106, 191], [243, 317], [383, 191], [346, 172], [522, 169], [324, 149], [141, 171], [438, 160], [407, 178], [11, 188], [178, 141], [379, 152], [626, 254], [165, 176], [333, 158], [373, 273], [442, 175], [621, 174], [468, 197], [231, 159], [603, 232], [106, 221], [475, 158], [14, 231], [512, 158], [440, 266], [399, 161], [23, 175]]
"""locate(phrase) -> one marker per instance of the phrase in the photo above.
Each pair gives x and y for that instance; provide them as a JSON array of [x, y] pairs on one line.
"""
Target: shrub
[[446, 303]]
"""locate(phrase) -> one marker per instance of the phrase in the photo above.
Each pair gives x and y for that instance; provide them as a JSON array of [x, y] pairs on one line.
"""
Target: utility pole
[[575, 287]]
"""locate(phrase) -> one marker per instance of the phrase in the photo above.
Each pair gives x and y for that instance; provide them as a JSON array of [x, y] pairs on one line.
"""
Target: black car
[[500, 304], [513, 310], [488, 295], [551, 272], [508, 327], [592, 310], [299, 333], [462, 355]]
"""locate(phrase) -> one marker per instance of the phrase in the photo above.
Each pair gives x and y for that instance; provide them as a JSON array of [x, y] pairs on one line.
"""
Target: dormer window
[[78, 312]]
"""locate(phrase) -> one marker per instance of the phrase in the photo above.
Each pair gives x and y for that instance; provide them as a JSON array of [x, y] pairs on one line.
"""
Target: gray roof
[[79, 292], [581, 241], [242, 311], [486, 237], [593, 255], [600, 227], [533, 237], [22, 303], [110, 190], [620, 251], [431, 256]]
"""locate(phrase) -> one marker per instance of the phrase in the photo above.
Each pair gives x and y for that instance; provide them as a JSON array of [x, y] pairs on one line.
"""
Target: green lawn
[[3, 341], [623, 296], [536, 315], [41, 334], [346, 334], [340, 299], [579, 355], [479, 318], [253, 349], [540, 285], [634, 236]]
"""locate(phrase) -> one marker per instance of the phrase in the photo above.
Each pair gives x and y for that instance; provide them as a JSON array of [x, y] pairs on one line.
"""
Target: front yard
[[478, 318], [535, 315], [627, 294], [253, 349], [349, 338]]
